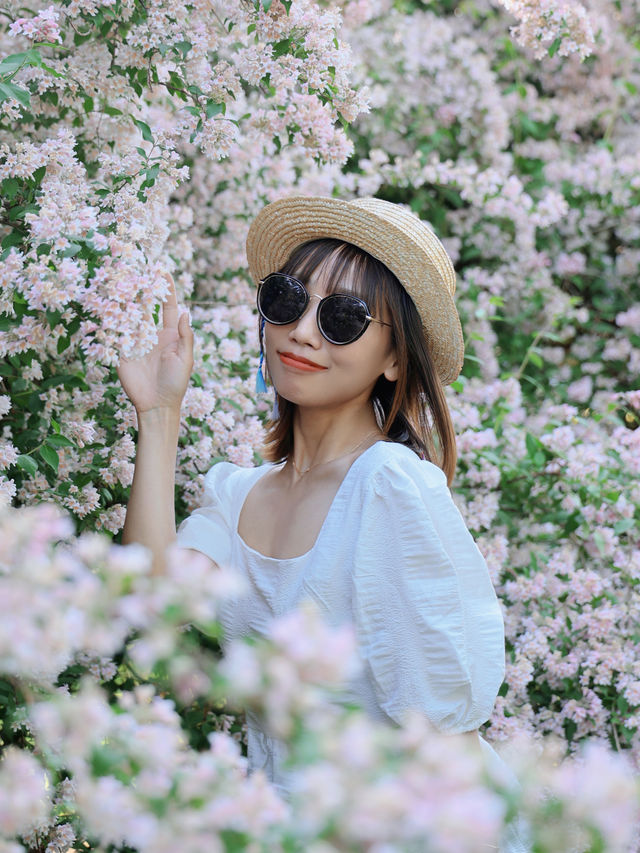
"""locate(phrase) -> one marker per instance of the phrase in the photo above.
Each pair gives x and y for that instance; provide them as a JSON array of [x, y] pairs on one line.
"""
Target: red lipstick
[[299, 362]]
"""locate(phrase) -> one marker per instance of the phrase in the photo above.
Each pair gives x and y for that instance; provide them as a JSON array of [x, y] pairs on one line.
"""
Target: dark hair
[[412, 410]]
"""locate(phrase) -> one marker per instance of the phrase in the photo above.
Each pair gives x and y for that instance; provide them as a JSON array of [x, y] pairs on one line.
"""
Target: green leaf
[[19, 212], [27, 463], [51, 70], [38, 175], [184, 47], [9, 188], [536, 359], [59, 441], [598, 538], [144, 129], [53, 318], [623, 525], [10, 90], [213, 109], [533, 445], [280, 48], [553, 49], [50, 457], [16, 61], [458, 386], [266, 5], [13, 238]]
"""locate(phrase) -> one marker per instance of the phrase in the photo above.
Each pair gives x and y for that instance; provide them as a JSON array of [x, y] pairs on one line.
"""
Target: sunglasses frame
[[323, 301]]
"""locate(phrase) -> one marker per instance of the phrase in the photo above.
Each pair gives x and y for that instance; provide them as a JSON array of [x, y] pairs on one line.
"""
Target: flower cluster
[[282, 682], [115, 112], [567, 570], [544, 27], [118, 767]]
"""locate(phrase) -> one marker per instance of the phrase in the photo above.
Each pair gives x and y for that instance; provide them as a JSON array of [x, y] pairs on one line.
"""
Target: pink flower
[[42, 27], [581, 390], [630, 319], [24, 798]]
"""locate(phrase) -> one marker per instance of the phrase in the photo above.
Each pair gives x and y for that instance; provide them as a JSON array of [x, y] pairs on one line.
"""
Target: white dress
[[395, 559]]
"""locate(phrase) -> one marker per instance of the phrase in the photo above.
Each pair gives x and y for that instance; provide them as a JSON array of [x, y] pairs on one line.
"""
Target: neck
[[321, 436]]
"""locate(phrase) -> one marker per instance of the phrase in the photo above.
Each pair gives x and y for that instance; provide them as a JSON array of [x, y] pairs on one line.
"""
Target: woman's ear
[[391, 371]]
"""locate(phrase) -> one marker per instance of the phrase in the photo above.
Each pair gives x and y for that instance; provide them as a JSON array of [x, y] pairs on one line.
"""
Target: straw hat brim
[[387, 231]]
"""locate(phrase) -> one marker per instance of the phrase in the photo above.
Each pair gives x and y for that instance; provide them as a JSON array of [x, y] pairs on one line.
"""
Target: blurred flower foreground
[[140, 138], [102, 667]]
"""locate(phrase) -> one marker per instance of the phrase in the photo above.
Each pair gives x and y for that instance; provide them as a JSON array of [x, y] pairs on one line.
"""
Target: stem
[[527, 355], [615, 737]]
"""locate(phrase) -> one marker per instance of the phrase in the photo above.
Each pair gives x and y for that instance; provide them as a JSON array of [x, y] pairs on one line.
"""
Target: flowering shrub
[[566, 568], [112, 764], [116, 106], [137, 139]]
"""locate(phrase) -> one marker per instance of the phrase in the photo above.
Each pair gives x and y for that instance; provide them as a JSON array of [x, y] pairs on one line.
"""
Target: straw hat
[[390, 233]]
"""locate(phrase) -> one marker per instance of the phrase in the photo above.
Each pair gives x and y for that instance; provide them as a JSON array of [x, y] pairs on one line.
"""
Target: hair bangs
[[341, 268]]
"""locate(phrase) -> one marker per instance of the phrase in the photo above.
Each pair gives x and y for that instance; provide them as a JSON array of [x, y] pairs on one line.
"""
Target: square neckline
[[336, 498]]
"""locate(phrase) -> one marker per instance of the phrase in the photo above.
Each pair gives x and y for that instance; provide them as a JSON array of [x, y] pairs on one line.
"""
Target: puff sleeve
[[429, 625], [208, 528]]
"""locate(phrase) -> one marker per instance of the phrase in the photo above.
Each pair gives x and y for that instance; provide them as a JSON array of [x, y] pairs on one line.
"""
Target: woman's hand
[[159, 379]]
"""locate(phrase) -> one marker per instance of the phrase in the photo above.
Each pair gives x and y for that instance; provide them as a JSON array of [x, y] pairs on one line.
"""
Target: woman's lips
[[299, 362]]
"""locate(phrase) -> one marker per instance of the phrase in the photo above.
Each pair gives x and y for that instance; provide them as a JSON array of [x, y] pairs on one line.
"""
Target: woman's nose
[[306, 329]]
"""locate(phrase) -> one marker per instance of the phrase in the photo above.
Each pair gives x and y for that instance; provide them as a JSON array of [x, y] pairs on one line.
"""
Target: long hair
[[411, 410]]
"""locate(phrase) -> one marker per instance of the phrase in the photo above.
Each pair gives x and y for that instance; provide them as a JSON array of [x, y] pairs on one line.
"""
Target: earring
[[275, 412], [261, 385]]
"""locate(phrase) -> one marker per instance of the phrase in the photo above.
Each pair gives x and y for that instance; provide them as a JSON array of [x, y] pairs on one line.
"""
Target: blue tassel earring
[[261, 385]]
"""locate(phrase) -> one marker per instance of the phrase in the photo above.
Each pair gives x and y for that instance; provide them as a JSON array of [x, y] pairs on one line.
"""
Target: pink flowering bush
[[140, 139], [112, 116], [552, 499], [102, 756]]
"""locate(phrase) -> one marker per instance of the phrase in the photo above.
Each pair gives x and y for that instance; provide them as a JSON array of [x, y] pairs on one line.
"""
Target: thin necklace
[[304, 471]]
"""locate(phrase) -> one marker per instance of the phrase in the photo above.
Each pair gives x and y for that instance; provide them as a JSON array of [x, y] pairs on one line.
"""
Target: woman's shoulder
[[396, 464], [227, 478]]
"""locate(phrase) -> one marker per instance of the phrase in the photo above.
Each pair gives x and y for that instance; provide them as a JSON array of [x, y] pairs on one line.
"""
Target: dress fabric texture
[[395, 559]]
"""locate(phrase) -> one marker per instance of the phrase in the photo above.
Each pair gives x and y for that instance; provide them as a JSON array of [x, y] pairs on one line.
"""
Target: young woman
[[359, 334]]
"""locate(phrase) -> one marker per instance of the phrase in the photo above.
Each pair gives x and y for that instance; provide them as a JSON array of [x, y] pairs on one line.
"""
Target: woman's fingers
[[185, 332], [170, 306]]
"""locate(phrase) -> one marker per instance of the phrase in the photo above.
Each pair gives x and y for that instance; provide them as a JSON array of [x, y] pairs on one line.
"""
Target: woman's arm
[[156, 384], [150, 518]]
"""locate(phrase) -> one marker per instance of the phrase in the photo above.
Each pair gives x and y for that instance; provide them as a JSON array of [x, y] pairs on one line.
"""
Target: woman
[[359, 333]]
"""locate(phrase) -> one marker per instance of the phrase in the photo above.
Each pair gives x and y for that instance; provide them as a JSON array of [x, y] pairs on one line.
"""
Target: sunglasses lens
[[281, 299], [342, 319]]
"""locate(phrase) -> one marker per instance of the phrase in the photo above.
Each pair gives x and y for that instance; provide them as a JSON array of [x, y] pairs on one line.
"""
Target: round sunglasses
[[341, 317]]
